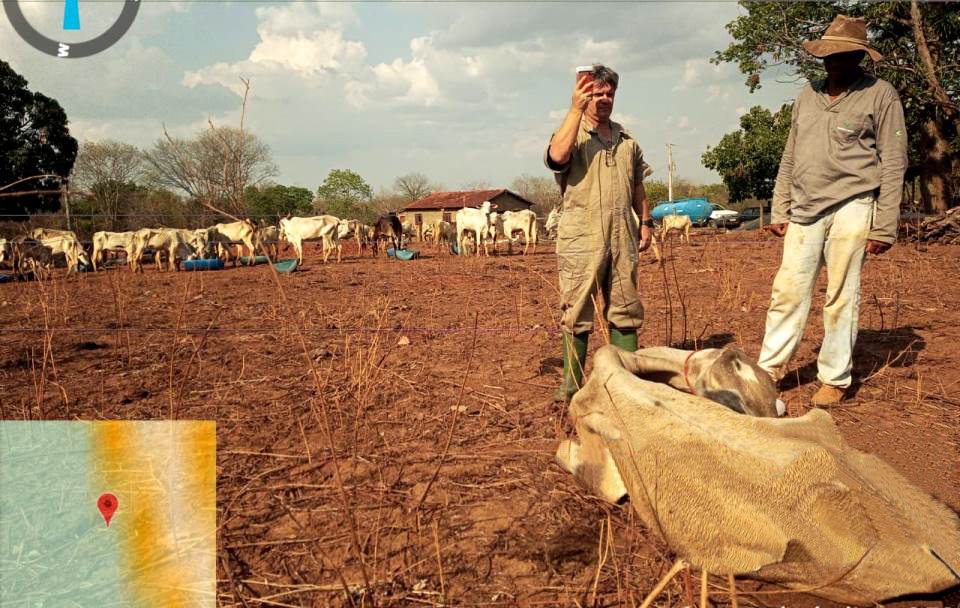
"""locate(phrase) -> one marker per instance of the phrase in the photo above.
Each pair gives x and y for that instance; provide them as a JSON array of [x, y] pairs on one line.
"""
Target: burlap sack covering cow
[[779, 500]]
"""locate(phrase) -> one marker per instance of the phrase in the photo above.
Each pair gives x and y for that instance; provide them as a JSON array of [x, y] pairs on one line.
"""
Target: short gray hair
[[602, 73]]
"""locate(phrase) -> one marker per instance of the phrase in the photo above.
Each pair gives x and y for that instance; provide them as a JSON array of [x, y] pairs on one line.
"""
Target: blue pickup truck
[[698, 209]]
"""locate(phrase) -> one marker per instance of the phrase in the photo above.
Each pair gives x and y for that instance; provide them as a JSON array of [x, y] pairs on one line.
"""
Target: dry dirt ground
[[336, 396]]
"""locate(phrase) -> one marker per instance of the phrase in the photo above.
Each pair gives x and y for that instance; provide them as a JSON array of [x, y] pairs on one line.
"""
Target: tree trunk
[[935, 169]]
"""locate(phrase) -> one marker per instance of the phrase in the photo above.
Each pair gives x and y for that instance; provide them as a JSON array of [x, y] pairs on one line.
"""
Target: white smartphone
[[584, 68]]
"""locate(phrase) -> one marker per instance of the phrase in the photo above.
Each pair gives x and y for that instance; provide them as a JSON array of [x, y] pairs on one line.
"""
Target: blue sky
[[461, 92]]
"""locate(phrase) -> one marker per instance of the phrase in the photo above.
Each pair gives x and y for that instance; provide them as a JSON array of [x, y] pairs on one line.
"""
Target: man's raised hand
[[582, 91]]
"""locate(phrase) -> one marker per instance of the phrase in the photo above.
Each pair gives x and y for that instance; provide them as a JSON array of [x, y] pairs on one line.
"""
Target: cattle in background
[[476, 221], [680, 223], [241, 232], [387, 227], [176, 243], [38, 234], [296, 230], [353, 229], [510, 222], [444, 235], [268, 241], [104, 241]]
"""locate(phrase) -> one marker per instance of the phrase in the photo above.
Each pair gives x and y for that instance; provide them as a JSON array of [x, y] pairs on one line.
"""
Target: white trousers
[[838, 239]]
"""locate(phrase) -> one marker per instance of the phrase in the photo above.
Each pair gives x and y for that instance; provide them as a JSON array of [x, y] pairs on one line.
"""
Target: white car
[[721, 216]]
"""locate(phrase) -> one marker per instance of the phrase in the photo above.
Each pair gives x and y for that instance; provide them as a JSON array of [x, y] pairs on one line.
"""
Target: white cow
[[353, 229], [71, 249], [241, 232], [476, 221], [268, 240], [6, 251], [48, 233], [524, 221], [175, 242], [680, 223], [295, 230], [104, 241]]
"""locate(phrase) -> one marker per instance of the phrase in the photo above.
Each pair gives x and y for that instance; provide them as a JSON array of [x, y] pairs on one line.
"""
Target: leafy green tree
[[278, 200], [346, 195], [920, 42], [34, 140], [656, 191], [747, 160]]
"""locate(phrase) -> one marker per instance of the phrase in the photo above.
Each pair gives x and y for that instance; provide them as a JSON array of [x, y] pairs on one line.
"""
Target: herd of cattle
[[36, 251]]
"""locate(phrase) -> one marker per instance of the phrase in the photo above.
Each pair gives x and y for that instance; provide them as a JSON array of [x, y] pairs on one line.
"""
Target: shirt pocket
[[846, 128]]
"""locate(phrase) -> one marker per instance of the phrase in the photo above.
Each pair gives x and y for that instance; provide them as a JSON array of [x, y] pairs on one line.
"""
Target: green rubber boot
[[574, 358], [625, 339]]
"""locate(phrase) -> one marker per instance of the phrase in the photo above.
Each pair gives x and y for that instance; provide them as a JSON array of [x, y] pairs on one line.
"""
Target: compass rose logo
[[71, 21]]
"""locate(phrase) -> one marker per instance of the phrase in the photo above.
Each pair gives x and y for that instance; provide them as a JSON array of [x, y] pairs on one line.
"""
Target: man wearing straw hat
[[837, 196]]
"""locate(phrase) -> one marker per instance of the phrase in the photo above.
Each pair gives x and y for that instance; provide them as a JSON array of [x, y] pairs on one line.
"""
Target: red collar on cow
[[686, 369]]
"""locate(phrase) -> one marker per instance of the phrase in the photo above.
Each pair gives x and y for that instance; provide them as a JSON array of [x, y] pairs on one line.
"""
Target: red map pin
[[107, 503]]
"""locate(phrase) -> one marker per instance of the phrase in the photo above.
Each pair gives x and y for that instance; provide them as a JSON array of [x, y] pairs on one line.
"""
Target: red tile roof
[[459, 200]]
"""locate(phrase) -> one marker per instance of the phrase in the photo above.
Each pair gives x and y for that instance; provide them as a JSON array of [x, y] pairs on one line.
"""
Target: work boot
[[828, 395], [625, 339], [574, 357]]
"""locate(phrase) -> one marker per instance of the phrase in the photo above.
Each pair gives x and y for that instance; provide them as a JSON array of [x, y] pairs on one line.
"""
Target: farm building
[[444, 205]]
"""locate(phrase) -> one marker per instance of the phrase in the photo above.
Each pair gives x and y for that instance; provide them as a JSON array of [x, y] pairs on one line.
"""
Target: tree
[[656, 190], [216, 168], [747, 160], [477, 184], [920, 43], [413, 186], [543, 192], [34, 140], [278, 200], [109, 171], [346, 195]]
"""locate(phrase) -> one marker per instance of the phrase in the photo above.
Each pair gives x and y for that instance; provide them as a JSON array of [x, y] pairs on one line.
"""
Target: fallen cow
[[783, 500]]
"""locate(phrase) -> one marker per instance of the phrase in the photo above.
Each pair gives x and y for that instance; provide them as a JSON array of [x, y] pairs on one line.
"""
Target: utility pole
[[65, 197], [670, 172]]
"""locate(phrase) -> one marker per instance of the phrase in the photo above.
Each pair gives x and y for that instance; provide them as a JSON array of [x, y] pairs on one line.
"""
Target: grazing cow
[[786, 501], [6, 251], [444, 235], [242, 232], [353, 229], [69, 247], [176, 243], [104, 241], [387, 227], [476, 221], [523, 221], [31, 255], [680, 223], [296, 230], [39, 234], [410, 230], [268, 241]]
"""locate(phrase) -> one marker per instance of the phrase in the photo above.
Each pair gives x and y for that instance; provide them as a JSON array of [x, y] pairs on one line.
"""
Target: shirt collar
[[615, 129]]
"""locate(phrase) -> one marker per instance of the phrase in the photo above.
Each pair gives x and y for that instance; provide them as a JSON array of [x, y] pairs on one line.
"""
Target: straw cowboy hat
[[845, 34]]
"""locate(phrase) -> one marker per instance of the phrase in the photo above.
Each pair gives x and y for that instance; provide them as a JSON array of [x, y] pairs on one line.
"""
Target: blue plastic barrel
[[205, 264]]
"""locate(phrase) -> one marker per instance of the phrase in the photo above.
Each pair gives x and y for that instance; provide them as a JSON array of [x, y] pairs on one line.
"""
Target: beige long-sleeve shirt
[[836, 150]]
